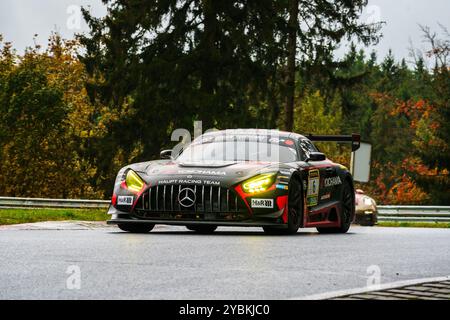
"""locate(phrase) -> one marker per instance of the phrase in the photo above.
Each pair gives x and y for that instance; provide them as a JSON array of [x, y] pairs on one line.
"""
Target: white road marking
[[384, 286]]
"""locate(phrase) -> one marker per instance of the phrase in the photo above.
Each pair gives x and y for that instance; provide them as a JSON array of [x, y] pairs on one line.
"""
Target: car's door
[[318, 174]]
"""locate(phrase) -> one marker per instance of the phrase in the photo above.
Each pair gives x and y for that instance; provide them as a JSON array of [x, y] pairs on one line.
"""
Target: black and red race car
[[243, 177]]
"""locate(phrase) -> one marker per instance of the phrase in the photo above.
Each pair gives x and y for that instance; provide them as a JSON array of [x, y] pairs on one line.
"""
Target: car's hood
[[225, 173]]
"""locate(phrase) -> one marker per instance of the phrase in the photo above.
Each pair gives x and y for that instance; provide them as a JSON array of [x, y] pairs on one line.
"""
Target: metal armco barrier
[[8, 202], [385, 213], [414, 213]]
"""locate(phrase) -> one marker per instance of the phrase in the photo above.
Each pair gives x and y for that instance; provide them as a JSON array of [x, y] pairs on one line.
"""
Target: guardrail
[[414, 213], [385, 213], [9, 202]]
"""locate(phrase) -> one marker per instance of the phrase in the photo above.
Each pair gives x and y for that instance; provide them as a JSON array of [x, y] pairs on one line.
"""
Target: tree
[[315, 117], [320, 25], [46, 124], [292, 52], [432, 125], [214, 61]]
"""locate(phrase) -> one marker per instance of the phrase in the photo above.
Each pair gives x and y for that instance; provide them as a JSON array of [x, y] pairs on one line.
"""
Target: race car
[[366, 209], [276, 180]]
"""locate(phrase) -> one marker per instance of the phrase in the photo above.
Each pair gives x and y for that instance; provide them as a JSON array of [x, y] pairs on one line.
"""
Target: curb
[[386, 286]]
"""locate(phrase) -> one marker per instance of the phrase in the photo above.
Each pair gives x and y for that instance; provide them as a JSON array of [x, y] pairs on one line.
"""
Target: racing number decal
[[312, 194]]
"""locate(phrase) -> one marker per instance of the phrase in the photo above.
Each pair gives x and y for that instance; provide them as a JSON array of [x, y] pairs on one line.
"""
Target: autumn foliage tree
[[46, 124]]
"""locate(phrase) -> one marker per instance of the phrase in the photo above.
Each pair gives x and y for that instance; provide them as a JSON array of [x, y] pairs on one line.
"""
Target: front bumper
[[260, 220]]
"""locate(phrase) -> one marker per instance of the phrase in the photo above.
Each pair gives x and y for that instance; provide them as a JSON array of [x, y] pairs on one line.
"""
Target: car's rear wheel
[[295, 209], [203, 229], [346, 212], [136, 228]]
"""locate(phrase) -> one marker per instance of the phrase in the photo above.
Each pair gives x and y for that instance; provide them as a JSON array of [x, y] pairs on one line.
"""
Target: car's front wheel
[[203, 229], [136, 228], [295, 210]]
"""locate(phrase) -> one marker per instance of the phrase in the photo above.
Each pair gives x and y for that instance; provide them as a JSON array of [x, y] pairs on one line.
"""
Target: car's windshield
[[240, 151]]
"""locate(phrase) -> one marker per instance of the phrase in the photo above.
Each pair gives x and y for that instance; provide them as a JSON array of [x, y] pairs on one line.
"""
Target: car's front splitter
[[256, 220], [197, 222]]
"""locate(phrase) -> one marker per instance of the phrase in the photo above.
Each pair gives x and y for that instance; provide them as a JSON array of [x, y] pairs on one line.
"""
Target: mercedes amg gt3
[[279, 181]]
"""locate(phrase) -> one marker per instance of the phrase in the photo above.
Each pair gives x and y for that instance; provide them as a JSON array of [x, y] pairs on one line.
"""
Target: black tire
[[347, 211], [136, 228], [202, 229], [295, 210]]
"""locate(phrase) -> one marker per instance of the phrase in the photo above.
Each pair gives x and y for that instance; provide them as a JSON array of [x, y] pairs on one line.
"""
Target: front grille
[[211, 202]]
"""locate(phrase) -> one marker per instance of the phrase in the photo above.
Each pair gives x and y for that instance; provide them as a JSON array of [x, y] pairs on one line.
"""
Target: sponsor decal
[[211, 182], [262, 203], [125, 200], [156, 171], [325, 196], [189, 181], [312, 194], [332, 181], [287, 172], [282, 186], [203, 172]]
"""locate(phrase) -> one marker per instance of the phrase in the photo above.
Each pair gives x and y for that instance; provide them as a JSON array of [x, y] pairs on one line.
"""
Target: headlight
[[259, 183], [134, 182], [367, 201]]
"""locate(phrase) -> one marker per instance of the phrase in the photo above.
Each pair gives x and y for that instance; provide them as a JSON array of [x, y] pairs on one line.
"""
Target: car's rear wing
[[354, 139]]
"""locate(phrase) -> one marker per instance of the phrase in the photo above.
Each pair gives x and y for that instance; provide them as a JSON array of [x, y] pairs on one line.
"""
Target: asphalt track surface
[[233, 263]]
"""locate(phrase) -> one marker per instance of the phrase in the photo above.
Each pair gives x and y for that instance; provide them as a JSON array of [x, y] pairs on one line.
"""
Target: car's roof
[[255, 132]]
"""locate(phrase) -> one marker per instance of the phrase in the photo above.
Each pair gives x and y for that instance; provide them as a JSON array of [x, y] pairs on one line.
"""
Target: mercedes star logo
[[186, 197]]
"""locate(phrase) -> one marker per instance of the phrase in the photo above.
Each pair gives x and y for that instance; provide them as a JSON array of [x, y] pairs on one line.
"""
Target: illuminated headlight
[[134, 182], [259, 183]]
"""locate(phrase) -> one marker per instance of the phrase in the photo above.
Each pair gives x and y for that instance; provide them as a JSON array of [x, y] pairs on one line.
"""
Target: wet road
[[101, 262]]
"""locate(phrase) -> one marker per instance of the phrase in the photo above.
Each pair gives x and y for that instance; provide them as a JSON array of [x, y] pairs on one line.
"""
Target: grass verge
[[16, 216], [414, 224]]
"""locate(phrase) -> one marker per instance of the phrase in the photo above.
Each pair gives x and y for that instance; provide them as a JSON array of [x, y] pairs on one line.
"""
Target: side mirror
[[316, 156], [166, 154]]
